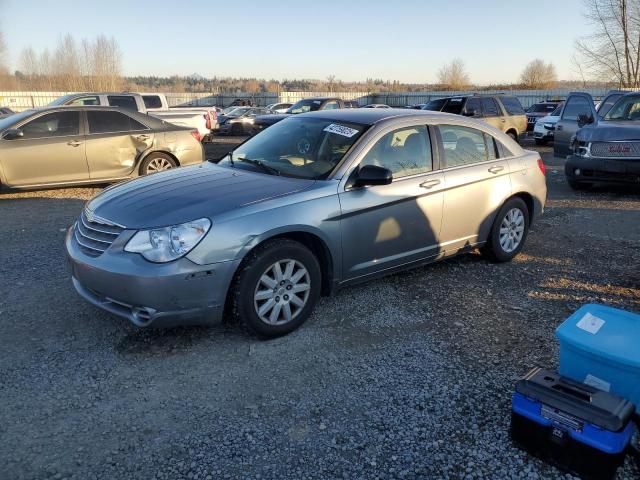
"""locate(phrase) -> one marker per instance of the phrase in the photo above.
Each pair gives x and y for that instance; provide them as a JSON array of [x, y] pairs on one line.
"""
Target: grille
[[615, 149], [94, 236], [532, 119]]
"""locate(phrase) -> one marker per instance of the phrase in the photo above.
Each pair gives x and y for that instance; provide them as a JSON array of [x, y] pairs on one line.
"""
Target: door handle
[[496, 168], [142, 137], [430, 183], [502, 120], [74, 143]]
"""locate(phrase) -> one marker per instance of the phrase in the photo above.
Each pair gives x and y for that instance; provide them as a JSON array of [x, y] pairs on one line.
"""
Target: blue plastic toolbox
[[576, 427], [600, 346]]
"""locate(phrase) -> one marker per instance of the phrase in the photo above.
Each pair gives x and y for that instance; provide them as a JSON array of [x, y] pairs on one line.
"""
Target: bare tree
[[453, 75], [330, 81], [612, 51], [538, 74]]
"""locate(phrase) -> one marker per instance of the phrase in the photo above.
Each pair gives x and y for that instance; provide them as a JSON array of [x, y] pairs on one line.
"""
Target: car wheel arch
[[313, 240], [146, 154], [528, 200]]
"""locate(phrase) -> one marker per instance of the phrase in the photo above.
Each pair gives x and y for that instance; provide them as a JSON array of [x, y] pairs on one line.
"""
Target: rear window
[[152, 101], [542, 108], [512, 105], [124, 101]]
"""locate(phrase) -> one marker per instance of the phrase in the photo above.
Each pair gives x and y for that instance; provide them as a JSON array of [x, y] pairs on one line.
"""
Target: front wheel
[[157, 162], [276, 289], [509, 231]]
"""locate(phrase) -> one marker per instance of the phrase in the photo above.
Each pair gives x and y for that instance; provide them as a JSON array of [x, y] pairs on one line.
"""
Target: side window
[[490, 107], [576, 106], [491, 146], [92, 100], [56, 124], [405, 152], [503, 152], [454, 105], [331, 105], [124, 101], [463, 146], [152, 101], [472, 107], [111, 122]]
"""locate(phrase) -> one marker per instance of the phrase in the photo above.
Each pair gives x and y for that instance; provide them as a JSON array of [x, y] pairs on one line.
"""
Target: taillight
[[207, 119], [195, 134], [541, 166]]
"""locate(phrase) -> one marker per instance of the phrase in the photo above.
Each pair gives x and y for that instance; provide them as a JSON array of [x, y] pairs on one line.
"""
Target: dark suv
[[501, 111], [539, 110]]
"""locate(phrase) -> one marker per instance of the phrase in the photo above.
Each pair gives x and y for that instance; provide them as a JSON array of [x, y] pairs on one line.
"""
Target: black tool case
[[578, 428]]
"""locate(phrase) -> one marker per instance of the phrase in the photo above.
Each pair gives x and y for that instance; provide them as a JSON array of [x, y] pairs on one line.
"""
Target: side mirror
[[369, 175], [584, 119], [12, 134]]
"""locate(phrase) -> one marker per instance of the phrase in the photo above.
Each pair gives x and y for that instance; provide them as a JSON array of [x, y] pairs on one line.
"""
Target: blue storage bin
[[600, 346]]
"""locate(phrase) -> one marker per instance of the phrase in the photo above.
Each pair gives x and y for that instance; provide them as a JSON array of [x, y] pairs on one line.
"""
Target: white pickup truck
[[202, 119]]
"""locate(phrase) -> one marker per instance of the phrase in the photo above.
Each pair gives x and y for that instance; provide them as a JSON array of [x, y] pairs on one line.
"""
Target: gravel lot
[[406, 377]]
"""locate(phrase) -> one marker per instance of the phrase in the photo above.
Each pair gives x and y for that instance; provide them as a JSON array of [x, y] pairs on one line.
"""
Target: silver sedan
[[316, 202]]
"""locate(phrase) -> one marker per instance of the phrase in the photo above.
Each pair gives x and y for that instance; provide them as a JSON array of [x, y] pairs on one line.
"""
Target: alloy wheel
[[158, 164], [282, 292], [511, 230]]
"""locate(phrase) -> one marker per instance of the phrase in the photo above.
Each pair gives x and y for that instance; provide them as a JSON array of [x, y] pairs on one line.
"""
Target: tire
[[579, 186], [249, 283], [498, 247], [541, 141], [157, 162], [514, 136]]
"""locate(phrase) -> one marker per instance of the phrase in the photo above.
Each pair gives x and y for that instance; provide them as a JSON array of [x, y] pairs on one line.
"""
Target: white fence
[[19, 101]]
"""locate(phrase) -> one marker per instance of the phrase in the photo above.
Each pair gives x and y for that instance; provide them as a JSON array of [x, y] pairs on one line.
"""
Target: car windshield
[[297, 147], [15, 118], [435, 105], [238, 112], [626, 109], [304, 106], [542, 108], [557, 110]]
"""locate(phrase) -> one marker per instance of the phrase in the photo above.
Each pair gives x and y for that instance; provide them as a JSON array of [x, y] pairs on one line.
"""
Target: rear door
[[577, 104], [476, 183], [114, 143], [491, 113], [51, 151]]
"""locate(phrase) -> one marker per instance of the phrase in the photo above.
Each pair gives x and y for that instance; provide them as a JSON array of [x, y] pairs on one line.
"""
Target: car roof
[[369, 116]]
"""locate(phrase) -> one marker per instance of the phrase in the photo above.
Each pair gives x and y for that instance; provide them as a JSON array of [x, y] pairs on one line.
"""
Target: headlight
[[549, 126], [583, 149], [168, 243]]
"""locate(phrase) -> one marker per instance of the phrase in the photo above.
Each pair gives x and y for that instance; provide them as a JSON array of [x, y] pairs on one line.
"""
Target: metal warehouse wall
[[19, 101]]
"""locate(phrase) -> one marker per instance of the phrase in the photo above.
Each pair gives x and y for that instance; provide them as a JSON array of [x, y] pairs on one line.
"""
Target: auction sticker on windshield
[[341, 130]]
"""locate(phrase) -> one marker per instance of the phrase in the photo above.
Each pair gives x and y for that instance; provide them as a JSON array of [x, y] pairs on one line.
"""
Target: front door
[[387, 226], [51, 151], [577, 104], [114, 143]]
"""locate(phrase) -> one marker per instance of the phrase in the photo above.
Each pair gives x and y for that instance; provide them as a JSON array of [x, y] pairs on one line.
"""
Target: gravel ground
[[405, 377]]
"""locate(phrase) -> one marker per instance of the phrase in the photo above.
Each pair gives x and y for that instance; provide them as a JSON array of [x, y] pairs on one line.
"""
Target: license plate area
[[614, 166]]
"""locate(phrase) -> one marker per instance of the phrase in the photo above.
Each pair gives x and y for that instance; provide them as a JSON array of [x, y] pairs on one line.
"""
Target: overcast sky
[[406, 40]]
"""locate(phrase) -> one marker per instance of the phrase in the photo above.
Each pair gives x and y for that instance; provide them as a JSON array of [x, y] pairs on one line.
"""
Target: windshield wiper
[[263, 166]]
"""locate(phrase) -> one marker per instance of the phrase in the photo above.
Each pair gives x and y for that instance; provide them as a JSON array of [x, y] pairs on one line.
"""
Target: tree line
[[609, 55]]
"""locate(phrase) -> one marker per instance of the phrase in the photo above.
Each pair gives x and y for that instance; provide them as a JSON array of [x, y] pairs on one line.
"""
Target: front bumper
[[609, 170], [149, 294], [541, 132]]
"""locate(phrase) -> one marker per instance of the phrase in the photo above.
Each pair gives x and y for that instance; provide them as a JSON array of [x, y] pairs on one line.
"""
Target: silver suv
[[316, 202]]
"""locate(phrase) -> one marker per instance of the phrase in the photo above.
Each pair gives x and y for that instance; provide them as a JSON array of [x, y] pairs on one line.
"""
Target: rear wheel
[[509, 231], [157, 162], [276, 289]]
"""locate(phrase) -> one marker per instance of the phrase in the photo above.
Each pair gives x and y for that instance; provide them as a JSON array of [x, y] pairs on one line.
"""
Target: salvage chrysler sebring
[[314, 203]]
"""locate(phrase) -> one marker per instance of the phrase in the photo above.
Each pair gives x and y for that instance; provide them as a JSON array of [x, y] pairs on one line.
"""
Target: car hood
[[548, 119], [609, 131], [188, 193], [270, 119]]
